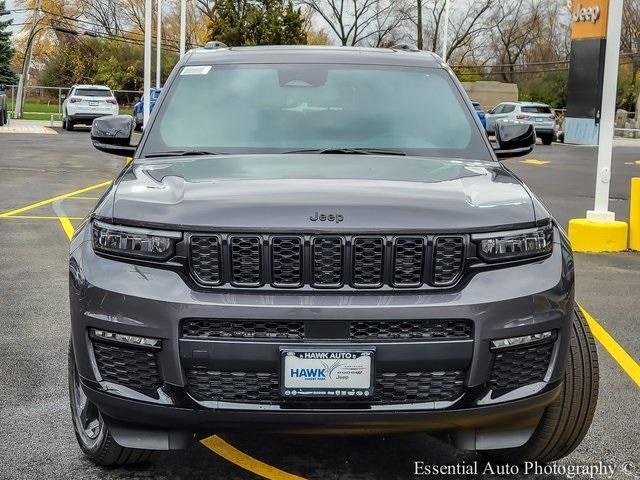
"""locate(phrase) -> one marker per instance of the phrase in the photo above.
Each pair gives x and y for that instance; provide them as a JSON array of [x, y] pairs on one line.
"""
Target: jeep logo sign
[[586, 14], [326, 217]]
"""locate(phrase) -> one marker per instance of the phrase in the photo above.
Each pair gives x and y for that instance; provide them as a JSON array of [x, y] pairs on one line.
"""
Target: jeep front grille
[[326, 261]]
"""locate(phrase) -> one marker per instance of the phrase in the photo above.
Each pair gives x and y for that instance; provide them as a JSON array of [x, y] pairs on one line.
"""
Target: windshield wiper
[[180, 153], [350, 151]]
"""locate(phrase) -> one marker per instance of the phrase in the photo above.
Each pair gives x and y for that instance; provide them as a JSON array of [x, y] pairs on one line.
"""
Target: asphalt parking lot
[[49, 182]]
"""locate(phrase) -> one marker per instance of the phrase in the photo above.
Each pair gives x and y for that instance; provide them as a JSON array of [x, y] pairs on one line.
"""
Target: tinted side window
[[508, 108], [536, 109], [498, 109]]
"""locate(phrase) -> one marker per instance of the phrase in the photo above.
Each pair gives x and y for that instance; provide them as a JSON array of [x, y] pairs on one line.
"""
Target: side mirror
[[63, 96], [112, 134], [514, 139], [136, 99]]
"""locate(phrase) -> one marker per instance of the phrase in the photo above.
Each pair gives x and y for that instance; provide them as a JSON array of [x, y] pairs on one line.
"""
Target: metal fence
[[44, 103]]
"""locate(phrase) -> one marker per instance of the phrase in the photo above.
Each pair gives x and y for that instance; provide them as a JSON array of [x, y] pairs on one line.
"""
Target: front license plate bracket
[[327, 372]]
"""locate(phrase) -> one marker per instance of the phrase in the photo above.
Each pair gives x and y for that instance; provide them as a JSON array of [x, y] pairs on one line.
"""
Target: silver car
[[538, 114]]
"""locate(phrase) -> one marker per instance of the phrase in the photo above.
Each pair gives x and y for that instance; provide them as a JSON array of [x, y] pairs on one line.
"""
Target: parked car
[[291, 251], [84, 103], [4, 113], [480, 113], [138, 108], [537, 114]]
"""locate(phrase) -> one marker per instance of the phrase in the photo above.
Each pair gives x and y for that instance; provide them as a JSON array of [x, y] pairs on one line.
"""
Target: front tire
[[566, 421], [94, 438]]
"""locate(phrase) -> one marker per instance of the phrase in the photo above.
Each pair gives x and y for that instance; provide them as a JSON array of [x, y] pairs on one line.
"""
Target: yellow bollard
[[634, 215]]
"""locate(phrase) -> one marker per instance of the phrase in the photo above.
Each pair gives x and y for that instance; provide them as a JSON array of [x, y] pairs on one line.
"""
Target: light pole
[[159, 44], [26, 63], [183, 27], [147, 61], [445, 30]]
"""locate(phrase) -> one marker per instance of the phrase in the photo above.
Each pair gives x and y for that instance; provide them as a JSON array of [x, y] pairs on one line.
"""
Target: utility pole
[[147, 61], [183, 27], [26, 63], [445, 30], [159, 44], [420, 33]]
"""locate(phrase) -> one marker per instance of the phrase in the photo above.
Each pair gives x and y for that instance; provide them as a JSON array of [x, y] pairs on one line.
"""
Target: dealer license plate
[[327, 372], [93, 103]]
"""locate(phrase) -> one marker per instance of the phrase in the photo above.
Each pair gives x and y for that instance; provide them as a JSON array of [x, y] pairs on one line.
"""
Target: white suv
[[87, 102], [538, 114]]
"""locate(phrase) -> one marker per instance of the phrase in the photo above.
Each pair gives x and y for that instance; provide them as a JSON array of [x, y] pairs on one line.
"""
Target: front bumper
[[150, 302]]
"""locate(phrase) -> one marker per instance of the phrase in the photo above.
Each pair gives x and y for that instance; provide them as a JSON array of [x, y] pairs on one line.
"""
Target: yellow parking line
[[38, 217], [535, 161], [67, 227], [53, 199], [233, 455], [628, 364]]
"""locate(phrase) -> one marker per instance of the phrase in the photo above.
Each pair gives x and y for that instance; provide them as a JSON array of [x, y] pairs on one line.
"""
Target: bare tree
[[467, 23], [352, 21], [388, 27], [105, 13], [517, 23]]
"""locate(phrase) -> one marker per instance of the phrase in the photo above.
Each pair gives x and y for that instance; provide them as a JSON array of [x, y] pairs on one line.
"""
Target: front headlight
[[133, 242], [515, 245]]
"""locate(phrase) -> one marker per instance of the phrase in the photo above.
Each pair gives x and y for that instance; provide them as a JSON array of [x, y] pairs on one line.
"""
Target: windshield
[[285, 107], [92, 92]]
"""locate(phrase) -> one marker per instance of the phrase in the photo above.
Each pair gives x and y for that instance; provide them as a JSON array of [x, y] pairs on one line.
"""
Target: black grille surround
[[132, 367], [331, 261], [358, 330], [263, 388]]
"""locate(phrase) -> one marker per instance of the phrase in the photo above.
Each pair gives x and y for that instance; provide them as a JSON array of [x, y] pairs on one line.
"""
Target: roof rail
[[406, 47], [214, 44]]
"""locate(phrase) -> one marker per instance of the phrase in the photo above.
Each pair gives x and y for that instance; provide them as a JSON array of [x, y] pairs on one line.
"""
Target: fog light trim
[[534, 338], [123, 338]]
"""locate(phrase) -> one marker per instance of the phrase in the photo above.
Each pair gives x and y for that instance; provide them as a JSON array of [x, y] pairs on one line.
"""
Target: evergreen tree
[[257, 22], [6, 51]]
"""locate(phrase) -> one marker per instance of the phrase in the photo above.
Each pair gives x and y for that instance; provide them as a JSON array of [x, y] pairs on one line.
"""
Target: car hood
[[353, 192]]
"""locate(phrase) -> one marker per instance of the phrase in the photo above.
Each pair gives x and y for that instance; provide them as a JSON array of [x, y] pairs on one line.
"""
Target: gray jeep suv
[[300, 244]]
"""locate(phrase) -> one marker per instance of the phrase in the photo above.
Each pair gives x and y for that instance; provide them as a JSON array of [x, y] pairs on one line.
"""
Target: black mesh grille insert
[[522, 366], [205, 259], [418, 387], [214, 328], [368, 258], [327, 261], [390, 388], [286, 261], [408, 261], [448, 259], [241, 387], [402, 329], [131, 367], [246, 261]]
